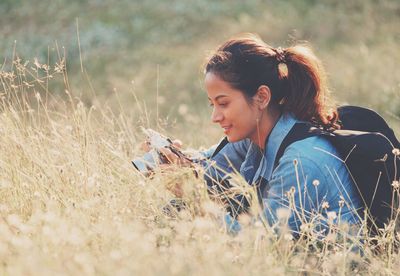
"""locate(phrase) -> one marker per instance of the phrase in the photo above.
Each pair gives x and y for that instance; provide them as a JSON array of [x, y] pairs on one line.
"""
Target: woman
[[258, 93]]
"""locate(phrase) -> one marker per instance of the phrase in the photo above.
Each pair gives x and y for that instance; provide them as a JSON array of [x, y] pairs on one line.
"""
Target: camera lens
[[147, 162]]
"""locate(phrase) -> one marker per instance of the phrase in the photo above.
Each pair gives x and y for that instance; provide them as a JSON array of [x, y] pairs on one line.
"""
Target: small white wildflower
[[341, 203], [37, 63], [282, 214], [37, 96], [46, 67], [331, 215], [288, 237], [325, 205], [236, 259], [27, 84], [306, 227], [396, 151], [315, 182], [142, 183], [91, 182], [396, 184], [291, 192], [60, 66], [258, 224]]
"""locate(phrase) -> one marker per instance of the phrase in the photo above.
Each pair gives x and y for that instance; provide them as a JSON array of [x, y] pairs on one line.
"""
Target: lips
[[226, 128]]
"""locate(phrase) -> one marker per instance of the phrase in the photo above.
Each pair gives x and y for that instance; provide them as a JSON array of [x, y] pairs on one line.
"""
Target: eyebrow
[[219, 97]]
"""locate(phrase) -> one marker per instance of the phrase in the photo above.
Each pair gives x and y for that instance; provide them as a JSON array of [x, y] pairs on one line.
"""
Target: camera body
[[153, 158]]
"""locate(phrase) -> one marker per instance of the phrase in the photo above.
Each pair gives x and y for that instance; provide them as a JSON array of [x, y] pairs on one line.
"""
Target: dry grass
[[72, 203]]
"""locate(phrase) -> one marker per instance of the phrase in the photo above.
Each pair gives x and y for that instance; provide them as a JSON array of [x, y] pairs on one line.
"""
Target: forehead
[[216, 86]]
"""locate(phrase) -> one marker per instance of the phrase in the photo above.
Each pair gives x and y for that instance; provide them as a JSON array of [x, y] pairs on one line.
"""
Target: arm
[[217, 171]]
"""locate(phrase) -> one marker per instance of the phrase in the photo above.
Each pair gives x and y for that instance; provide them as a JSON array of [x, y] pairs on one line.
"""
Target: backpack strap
[[299, 131], [220, 146]]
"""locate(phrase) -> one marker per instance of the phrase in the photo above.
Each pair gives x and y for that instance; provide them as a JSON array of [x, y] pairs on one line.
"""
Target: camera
[[151, 160]]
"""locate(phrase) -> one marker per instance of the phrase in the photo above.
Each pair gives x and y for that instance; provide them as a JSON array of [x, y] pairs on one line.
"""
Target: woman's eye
[[218, 104]]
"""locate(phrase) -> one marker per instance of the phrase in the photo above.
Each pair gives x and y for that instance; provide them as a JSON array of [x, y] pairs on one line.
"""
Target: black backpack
[[367, 145]]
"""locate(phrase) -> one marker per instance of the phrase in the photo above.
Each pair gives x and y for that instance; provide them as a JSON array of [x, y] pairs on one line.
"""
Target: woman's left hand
[[174, 157]]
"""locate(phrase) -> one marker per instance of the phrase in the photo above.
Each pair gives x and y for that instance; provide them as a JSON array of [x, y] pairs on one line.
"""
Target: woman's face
[[231, 110]]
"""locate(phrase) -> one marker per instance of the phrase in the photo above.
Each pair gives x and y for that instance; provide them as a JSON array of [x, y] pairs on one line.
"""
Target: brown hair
[[295, 76]]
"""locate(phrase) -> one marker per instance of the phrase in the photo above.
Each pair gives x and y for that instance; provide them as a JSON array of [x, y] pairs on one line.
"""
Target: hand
[[169, 155], [173, 156]]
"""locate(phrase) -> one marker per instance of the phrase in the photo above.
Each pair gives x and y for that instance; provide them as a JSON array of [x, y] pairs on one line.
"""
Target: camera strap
[[220, 146]]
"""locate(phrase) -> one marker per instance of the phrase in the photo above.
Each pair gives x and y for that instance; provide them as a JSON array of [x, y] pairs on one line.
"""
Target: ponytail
[[307, 95]]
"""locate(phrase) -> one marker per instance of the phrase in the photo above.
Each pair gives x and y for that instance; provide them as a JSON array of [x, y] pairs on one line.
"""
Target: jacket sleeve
[[227, 160], [217, 170]]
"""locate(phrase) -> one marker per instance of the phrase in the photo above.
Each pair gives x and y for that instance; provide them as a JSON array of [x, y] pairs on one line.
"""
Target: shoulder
[[314, 158], [316, 148]]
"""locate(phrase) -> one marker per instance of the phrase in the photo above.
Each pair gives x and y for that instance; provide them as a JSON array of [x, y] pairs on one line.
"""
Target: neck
[[265, 126]]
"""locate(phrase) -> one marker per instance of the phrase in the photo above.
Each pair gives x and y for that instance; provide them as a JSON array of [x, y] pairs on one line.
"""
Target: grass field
[[70, 200]]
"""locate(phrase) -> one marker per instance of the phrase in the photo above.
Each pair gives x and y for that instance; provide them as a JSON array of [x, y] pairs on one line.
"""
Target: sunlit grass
[[72, 203]]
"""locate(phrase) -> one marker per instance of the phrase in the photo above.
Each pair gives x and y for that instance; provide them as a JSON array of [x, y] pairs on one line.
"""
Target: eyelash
[[223, 105]]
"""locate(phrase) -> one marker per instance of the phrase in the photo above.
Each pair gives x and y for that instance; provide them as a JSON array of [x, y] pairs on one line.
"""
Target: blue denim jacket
[[310, 169]]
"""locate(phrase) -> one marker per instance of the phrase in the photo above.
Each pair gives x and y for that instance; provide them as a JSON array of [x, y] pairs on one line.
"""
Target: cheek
[[244, 119], [246, 114], [249, 121], [241, 114]]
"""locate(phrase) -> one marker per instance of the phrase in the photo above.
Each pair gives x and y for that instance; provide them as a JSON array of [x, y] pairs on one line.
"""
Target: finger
[[171, 157], [177, 143], [145, 146]]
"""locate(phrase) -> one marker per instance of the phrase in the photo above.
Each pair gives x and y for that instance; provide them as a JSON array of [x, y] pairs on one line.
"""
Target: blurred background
[[147, 56]]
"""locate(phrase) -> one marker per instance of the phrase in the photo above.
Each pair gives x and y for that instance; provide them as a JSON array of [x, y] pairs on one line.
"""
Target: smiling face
[[231, 110]]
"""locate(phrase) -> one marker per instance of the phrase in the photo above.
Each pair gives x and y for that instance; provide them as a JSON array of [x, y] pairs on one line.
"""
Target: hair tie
[[280, 55]]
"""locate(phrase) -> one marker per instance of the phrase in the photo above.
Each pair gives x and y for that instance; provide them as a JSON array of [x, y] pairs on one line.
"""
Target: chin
[[233, 139]]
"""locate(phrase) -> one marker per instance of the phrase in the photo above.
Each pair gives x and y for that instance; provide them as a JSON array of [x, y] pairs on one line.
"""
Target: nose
[[216, 115]]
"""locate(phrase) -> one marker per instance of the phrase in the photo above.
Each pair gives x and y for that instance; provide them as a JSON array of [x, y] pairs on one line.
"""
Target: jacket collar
[[273, 142]]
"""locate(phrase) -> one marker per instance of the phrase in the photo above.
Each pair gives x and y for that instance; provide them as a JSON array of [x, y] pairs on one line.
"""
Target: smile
[[226, 128]]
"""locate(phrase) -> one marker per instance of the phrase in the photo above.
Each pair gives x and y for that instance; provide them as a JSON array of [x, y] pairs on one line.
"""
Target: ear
[[262, 97]]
